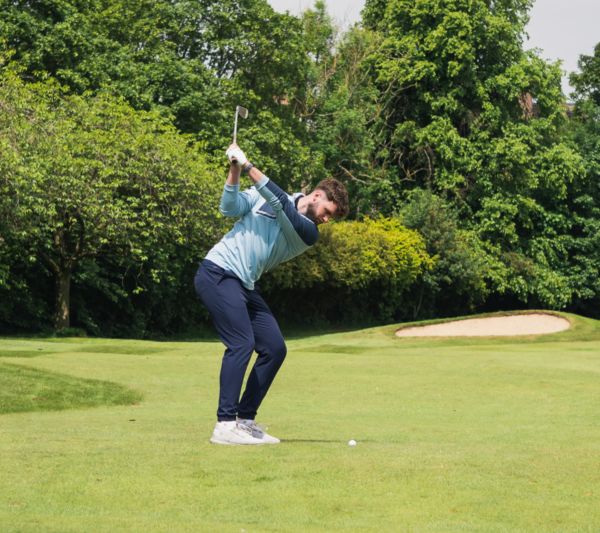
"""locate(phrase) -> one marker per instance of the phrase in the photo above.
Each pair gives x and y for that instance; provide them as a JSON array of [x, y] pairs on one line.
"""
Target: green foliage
[[341, 104], [90, 177], [427, 95], [459, 122], [437, 95], [24, 389], [460, 125], [456, 283], [26, 291], [582, 209], [107, 300], [357, 271], [587, 81], [192, 60]]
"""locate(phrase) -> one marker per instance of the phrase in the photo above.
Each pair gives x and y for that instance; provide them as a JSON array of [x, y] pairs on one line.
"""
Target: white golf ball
[[352, 443]]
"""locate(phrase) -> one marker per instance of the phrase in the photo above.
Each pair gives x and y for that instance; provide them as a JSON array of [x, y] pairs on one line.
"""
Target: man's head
[[329, 200]]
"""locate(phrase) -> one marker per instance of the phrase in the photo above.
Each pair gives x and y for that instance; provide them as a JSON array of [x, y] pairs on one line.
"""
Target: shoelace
[[245, 428], [256, 425]]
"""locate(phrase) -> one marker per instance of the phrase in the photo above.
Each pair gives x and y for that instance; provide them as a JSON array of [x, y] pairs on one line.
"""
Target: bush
[[26, 292], [358, 272]]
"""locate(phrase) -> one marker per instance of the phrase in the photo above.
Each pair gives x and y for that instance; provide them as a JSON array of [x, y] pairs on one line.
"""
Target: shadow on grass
[[25, 389], [582, 329], [345, 443], [290, 332], [314, 440], [122, 349], [21, 353]]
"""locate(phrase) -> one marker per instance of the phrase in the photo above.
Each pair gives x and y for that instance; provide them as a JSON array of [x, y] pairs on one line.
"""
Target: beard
[[311, 213]]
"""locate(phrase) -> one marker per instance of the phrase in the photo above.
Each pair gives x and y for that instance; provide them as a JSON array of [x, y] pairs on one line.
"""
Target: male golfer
[[273, 228]]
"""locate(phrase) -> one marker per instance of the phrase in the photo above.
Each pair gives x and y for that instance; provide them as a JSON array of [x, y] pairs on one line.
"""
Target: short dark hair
[[336, 193]]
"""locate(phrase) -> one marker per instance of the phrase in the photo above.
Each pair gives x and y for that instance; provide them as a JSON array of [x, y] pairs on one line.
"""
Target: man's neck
[[302, 203]]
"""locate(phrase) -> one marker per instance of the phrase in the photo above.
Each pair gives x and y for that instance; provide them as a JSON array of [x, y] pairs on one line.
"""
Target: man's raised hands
[[235, 155]]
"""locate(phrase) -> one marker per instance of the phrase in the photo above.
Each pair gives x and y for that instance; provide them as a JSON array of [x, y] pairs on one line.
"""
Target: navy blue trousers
[[244, 324]]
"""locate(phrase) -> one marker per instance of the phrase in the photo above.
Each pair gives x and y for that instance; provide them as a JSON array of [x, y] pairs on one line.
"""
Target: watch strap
[[250, 165]]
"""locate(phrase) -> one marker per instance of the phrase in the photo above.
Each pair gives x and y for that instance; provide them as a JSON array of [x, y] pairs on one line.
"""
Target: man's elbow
[[229, 211], [311, 240]]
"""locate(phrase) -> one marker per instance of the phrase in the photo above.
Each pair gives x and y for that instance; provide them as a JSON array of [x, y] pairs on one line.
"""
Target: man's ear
[[317, 195]]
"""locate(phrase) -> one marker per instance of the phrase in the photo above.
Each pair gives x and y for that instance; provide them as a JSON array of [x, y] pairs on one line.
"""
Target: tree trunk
[[62, 270], [62, 318]]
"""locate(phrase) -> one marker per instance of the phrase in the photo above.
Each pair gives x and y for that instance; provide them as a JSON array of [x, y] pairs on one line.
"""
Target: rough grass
[[469, 435]]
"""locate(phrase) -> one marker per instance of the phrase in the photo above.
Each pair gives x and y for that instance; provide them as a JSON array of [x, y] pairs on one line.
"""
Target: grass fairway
[[457, 435]]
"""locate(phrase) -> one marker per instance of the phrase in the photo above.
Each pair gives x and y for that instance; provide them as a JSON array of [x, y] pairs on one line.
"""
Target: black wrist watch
[[250, 165]]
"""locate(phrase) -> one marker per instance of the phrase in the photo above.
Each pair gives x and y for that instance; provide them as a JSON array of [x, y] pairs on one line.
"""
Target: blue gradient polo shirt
[[269, 232]]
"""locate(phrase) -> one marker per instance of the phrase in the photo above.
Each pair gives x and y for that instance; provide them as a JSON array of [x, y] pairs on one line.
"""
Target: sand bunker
[[534, 324]]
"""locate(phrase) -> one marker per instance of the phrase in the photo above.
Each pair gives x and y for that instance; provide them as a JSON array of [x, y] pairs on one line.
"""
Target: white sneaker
[[234, 433], [259, 431]]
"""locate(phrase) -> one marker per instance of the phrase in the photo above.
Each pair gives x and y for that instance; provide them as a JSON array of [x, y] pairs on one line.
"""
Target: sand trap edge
[[500, 325]]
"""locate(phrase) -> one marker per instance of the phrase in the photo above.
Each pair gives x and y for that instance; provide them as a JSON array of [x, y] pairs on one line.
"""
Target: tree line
[[465, 196]]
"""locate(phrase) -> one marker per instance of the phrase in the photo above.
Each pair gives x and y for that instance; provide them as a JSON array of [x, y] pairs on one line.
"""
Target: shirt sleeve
[[300, 232], [235, 203]]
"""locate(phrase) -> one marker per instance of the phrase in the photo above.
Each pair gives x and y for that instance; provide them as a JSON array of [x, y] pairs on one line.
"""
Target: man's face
[[321, 210]]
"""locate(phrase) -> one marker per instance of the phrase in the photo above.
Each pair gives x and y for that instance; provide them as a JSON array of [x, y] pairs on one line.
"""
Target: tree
[[459, 125], [84, 177], [583, 202], [455, 284], [587, 81], [194, 60]]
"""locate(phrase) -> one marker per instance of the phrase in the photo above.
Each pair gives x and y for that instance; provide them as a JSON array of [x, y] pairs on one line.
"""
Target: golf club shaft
[[235, 131], [235, 127]]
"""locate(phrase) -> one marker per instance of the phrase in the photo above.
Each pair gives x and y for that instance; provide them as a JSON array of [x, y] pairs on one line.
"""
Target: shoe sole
[[217, 441], [271, 442]]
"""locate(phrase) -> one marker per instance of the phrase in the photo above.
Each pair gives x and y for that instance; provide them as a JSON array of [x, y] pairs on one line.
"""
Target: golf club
[[243, 112]]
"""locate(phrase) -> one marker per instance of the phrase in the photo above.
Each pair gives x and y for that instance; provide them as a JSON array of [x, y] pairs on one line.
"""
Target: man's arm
[[296, 227], [299, 231], [234, 203]]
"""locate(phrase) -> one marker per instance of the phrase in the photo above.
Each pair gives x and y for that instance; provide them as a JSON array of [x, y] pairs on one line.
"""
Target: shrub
[[358, 272]]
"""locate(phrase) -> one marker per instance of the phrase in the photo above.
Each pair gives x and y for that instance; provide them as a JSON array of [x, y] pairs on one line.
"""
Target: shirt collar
[[297, 199]]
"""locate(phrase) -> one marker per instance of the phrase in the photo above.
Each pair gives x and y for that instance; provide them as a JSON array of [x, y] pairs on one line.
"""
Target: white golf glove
[[238, 155]]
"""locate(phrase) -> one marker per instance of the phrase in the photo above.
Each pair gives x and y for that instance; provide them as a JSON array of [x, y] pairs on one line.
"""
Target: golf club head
[[243, 112]]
